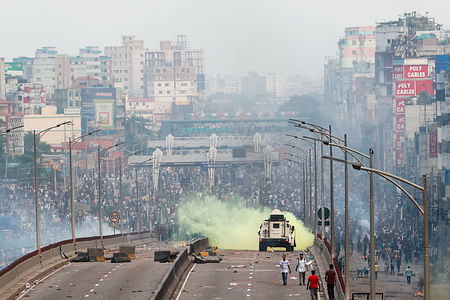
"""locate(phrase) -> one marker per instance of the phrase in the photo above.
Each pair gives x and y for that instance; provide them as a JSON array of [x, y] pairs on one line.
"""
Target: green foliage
[[424, 98], [307, 106], [136, 131]]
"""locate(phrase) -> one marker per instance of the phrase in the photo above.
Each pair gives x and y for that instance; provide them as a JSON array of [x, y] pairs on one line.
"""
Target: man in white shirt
[[285, 268], [302, 268]]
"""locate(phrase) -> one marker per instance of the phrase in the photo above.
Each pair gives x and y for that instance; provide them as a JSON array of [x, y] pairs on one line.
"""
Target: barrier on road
[[321, 244], [168, 284], [51, 256]]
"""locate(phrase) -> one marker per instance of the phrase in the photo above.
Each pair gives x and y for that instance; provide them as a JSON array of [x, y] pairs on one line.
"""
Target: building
[[174, 73], [127, 64], [141, 107], [91, 64], [223, 85], [2, 79], [276, 85], [48, 118]]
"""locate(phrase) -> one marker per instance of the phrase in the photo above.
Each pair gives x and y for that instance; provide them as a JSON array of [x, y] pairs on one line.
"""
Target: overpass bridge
[[242, 274]]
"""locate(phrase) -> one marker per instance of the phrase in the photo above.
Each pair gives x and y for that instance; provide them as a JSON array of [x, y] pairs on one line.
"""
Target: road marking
[[250, 277], [41, 281], [97, 284], [85, 296], [184, 283], [91, 290], [101, 279]]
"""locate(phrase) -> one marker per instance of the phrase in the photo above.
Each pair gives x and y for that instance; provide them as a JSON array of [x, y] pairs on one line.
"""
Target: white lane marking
[[233, 283], [249, 290], [249, 284], [91, 290], [250, 277], [97, 284], [251, 273], [105, 275], [185, 281], [248, 295], [85, 296], [42, 280], [101, 279]]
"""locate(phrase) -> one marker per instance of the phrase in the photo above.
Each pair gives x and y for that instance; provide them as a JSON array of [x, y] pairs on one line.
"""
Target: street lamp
[[315, 179], [36, 194], [72, 204], [100, 207], [424, 211]]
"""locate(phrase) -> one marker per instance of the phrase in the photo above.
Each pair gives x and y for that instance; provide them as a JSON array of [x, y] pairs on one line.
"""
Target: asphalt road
[[95, 280], [243, 275]]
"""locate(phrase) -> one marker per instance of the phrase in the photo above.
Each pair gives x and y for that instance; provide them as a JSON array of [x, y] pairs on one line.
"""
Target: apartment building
[[127, 64]]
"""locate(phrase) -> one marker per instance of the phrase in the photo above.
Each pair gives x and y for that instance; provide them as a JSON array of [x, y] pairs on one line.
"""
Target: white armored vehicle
[[276, 232]]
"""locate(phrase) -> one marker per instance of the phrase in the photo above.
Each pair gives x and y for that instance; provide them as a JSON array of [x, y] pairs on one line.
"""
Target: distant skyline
[[238, 36]]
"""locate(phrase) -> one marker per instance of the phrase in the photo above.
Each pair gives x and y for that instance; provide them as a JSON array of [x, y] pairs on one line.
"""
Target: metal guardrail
[[366, 294]]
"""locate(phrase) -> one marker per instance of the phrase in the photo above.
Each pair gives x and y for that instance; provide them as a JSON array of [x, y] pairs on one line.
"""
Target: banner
[[424, 86], [397, 72]]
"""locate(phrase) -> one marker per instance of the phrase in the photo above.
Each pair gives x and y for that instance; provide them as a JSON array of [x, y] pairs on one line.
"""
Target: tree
[[307, 106]]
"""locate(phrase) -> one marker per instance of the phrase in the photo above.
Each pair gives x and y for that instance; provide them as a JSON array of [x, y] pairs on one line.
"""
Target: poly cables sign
[[410, 72], [410, 88]]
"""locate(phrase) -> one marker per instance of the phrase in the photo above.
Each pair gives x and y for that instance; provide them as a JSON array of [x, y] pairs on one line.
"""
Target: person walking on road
[[408, 274], [376, 269], [302, 268], [313, 285], [330, 278], [285, 268]]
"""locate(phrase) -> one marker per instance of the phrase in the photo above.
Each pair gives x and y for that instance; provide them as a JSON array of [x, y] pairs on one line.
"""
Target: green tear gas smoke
[[232, 225]]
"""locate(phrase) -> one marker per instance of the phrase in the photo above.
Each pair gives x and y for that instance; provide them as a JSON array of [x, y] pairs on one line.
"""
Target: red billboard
[[405, 88], [409, 88], [399, 138], [424, 86], [399, 123], [399, 106], [397, 72], [415, 72]]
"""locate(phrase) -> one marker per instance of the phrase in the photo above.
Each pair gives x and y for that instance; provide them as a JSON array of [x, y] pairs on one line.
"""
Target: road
[[96, 280], [242, 275]]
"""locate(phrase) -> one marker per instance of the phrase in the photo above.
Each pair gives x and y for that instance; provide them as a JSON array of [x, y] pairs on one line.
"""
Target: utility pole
[[100, 226], [315, 189], [122, 219], [322, 195], [347, 237], [36, 199], [333, 242], [372, 232]]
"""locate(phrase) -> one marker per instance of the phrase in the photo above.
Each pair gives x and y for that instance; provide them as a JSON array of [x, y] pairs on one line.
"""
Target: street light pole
[[372, 232], [100, 226], [333, 242], [120, 196], [36, 198], [347, 237], [426, 248], [322, 195], [72, 204], [310, 192], [315, 189]]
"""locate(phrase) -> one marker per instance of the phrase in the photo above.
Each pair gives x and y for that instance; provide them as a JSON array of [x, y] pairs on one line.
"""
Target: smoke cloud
[[232, 225]]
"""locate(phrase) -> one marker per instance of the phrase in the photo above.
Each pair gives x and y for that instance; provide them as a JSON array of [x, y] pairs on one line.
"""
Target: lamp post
[[72, 203], [36, 193], [424, 211], [308, 153], [100, 206]]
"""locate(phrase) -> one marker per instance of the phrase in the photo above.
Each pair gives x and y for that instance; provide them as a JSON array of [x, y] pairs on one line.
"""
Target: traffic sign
[[327, 213], [114, 217], [327, 223]]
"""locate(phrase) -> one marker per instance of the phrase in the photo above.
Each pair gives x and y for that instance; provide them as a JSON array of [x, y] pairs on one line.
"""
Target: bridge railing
[[51, 256]]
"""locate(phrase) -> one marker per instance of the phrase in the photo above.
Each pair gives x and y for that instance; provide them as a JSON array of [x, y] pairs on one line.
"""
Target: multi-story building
[[223, 85], [91, 64], [141, 107], [2, 79], [127, 64], [174, 73], [49, 69], [276, 85]]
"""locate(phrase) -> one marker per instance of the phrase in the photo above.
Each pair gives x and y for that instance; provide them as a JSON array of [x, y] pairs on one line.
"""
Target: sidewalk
[[392, 286]]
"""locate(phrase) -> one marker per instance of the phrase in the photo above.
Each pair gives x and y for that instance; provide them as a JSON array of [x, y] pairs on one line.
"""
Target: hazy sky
[[282, 36]]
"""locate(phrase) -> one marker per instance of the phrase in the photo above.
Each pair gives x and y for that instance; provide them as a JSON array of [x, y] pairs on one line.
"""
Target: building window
[[168, 92], [354, 52], [160, 92], [166, 84]]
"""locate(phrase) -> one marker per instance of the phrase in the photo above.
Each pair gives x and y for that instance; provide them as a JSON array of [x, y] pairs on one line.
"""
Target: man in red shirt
[[313, 284], [330, 277]]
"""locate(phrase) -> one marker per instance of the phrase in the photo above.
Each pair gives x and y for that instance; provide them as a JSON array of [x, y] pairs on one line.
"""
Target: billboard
[[98, 108], [415, 72], [399, 106], [398, 140], [399, 124], [104, 113], [410, 88], [399, 158]]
